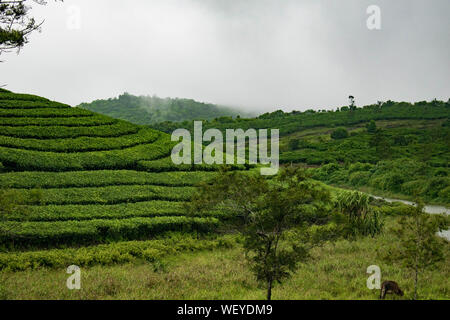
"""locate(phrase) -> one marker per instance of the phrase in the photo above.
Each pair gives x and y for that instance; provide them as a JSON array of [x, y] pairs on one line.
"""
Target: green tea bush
[[26, 160], [167, 165], [17, 104], [51, 234], [82, 144], [106, 254], [45, 112], [102, 178], [95, 120], [153, 208], [116, 129], [110, 194], [8, 95]]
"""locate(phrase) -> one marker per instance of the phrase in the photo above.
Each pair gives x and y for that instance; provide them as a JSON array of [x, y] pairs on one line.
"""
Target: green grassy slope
[[97, 179], [408, 156], [403, 159], [336, 271]]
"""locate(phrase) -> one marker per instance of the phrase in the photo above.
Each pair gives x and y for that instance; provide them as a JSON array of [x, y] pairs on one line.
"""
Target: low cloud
[[256, 54]]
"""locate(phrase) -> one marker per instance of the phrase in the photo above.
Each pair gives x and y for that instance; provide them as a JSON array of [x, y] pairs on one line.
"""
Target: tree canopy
[[16, 23]]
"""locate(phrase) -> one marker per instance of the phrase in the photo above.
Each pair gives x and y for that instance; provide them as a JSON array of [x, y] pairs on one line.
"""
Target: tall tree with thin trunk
[[267, 212], [419, 246]]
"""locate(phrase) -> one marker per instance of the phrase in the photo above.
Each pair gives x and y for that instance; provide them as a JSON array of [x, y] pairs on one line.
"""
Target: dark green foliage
[[382, 144], [411, 160], [59, 233], [293, 144], [403, 176], [16, 24], [151, 110], [361, 218], [340, 133], [371, 127], [82, 179]]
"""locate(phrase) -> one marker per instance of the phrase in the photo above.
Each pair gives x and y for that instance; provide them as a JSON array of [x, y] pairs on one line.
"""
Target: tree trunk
[[269, 290]]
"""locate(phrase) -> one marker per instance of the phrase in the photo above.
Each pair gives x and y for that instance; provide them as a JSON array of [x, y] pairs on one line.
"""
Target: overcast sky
[[256, 54]]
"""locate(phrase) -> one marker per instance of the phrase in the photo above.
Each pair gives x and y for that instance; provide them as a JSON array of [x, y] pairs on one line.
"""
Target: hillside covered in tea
[[78, 178]]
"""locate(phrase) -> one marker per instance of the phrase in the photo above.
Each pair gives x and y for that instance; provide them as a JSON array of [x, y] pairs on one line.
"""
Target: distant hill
[[395, 149], [295, 121], [152, 109]]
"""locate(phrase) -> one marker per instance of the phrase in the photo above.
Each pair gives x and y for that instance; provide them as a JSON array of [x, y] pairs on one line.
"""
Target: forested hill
[[152, 109], [295, 121], [396, 149]]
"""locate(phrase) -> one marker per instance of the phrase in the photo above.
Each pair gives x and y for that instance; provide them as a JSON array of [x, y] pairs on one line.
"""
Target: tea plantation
[[95, 190]]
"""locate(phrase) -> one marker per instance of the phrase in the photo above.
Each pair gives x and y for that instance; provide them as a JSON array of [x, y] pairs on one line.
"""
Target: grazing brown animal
[[390, 287]]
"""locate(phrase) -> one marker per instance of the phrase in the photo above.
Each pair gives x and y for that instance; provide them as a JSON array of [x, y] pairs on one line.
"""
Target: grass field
[[337, 271]]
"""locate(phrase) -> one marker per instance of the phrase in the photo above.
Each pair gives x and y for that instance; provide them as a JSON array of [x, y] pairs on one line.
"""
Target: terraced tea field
[[93, 187]]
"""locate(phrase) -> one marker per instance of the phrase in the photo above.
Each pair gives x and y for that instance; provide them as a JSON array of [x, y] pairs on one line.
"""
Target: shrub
[[340, 133], [360, 217], [359, 178], [444, 194], [435, 185], [358, 166], [371, 127], [415, 187], [293, 144]]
